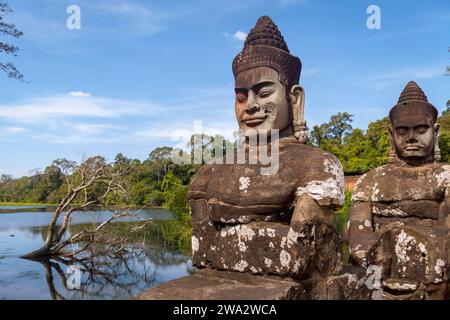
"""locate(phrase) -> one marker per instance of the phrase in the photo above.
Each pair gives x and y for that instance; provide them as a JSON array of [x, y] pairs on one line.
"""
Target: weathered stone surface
[[400, 291], [351, 285], [268, 248], [412, 253], [392, 182], [239, 193], [222, 285], [422, 209]]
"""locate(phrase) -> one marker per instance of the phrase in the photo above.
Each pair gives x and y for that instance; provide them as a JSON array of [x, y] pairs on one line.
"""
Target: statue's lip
[[413, 148], [254, 120]]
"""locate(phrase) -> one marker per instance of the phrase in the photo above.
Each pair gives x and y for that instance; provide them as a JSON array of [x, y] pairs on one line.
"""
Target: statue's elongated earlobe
[[298, 111], [437, 150], [392, 156]]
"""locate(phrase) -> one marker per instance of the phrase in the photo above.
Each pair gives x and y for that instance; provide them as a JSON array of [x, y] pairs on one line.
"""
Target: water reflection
[[147, 260]]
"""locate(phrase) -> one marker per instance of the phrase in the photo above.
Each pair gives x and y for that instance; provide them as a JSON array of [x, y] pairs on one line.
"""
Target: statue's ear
[[436, 129], [297, 95], [437, 150], [392, 154]]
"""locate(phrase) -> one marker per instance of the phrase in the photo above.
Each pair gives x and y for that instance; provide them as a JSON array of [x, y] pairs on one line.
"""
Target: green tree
[[444, 136], [358, 150], [333, 131], [161, 160]]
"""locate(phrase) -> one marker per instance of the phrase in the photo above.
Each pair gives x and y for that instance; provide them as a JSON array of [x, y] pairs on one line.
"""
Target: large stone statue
[[276, 223], [399, 218], [260, 233]]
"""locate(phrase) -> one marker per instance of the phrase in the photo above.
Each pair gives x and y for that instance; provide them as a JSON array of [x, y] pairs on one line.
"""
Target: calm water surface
[[150, 261]]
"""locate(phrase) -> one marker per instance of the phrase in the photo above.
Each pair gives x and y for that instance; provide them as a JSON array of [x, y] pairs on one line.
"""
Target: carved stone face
[[414, 136], [261, 101]]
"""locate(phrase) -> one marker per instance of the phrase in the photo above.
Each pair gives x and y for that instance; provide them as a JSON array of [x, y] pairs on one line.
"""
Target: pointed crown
[[413, 101], [265, 47]]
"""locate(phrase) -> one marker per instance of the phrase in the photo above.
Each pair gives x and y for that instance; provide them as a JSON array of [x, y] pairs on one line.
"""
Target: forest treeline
[[159, 181]]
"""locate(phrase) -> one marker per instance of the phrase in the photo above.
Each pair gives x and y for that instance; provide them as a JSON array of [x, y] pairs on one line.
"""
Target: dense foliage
[[144, 180]]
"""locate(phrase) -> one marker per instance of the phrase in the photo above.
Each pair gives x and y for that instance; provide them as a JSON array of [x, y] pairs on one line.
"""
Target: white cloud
[[138, 19], [73, 104], [14, 130], [81, 118], [79, 94], [7, 132], [381, 81], [308, 73], [240, 35]]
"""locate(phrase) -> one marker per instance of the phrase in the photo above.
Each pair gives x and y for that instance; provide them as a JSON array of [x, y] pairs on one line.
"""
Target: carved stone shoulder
[[325, 183], [401, 182], [442, 175], [199, 185], [366, 185]]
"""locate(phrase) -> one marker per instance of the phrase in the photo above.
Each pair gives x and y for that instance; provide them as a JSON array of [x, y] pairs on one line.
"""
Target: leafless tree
[[93, 183], [104, 279], [8, 29]]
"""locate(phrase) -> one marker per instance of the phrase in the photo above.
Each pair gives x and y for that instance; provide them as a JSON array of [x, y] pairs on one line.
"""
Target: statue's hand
[[307, 209]]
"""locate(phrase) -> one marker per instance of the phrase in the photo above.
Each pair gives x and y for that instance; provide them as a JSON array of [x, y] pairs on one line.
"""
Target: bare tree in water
[[92, 184], [104, 278]]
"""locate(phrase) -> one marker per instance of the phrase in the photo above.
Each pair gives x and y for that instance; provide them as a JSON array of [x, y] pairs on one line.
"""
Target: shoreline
[[25, 204], [33, 204]]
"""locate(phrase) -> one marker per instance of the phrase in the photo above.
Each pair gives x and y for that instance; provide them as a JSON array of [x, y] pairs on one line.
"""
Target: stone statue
[[277, 223], [399, 218]]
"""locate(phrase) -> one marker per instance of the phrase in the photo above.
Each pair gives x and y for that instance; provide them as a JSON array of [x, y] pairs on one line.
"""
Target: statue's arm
[[360, 230], [319, 198], [307, 209], [445, 214]]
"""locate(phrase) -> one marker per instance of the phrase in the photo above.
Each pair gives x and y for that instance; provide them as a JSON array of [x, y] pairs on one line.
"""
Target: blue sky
[[138, 71]]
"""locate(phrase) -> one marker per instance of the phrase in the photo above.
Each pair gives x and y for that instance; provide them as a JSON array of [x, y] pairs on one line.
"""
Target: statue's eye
[[422, 129], [401, 131], [265, 93], [240, 97]]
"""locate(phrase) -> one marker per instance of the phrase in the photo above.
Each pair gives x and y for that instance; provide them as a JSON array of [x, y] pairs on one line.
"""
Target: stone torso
[[402, 191], [240, 193]]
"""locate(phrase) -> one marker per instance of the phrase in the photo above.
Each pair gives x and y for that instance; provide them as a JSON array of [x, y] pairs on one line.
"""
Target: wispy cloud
[[290, 2], [69, 133], [381, 81], [11, 131], [308, 73], [71, 105], [100, 19], [83, 118], [138, 19]]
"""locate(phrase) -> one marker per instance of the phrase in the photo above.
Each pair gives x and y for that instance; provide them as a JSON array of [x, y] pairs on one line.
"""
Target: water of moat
[[149, 260]]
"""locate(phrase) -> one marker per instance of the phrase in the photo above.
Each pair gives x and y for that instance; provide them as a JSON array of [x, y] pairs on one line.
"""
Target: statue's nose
[[252, 108], [411, 137]]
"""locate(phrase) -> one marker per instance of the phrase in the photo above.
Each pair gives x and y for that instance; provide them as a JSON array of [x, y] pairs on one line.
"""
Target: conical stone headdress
[[265, 47], [412, 102]]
